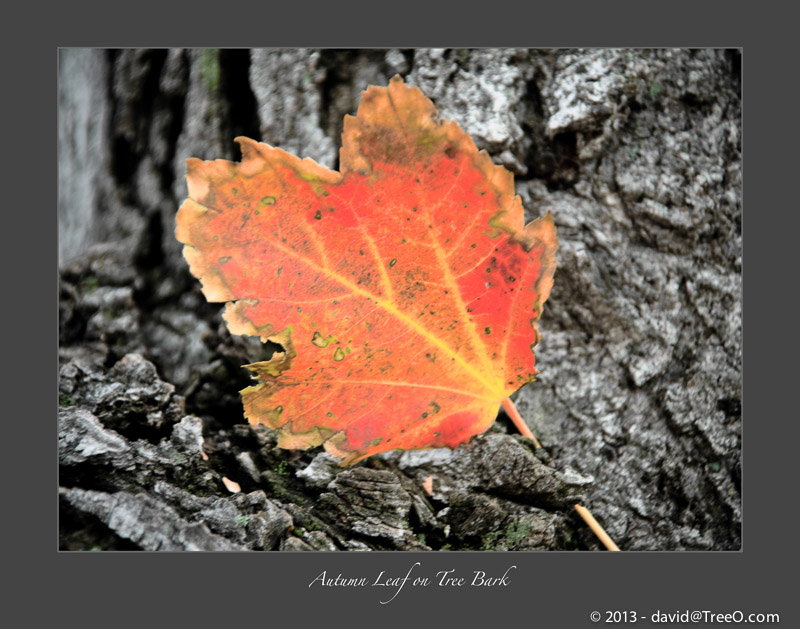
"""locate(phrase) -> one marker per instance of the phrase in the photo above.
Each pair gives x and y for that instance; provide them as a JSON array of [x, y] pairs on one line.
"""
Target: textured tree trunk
[[636, 153]]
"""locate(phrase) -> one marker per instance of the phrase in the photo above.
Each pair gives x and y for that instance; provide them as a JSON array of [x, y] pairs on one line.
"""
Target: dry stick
[[513, 413], [595, 526], [598, 530]]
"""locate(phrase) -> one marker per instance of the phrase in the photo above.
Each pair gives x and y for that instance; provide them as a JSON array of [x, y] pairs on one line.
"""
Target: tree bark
[[637, 154]]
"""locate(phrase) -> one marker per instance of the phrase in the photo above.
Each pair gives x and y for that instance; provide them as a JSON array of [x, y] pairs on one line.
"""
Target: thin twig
[[513, 413], [596, 528]]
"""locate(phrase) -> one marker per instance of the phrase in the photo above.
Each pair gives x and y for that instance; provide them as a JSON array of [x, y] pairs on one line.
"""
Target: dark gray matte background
[[555, 589]]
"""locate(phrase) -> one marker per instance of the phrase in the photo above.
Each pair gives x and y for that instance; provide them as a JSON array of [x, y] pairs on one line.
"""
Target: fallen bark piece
[[124, 513]]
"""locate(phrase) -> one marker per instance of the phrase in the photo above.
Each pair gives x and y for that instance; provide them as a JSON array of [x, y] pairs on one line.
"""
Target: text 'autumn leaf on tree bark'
[[404, 288]]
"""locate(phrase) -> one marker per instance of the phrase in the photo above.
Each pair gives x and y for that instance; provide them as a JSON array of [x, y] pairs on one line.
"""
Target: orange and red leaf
[[404, 288]]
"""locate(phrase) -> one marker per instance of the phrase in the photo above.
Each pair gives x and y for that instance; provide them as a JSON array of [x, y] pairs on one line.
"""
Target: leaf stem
[[596, 528], [513, 413]]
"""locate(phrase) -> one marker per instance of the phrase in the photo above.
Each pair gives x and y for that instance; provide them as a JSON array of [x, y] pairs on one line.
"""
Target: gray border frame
[[548, 589]]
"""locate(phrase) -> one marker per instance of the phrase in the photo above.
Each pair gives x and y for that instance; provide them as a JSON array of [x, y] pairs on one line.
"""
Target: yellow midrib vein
[[389, 307], [441, 258]]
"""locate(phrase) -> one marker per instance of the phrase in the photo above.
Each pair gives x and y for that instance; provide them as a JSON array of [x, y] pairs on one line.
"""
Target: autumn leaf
[[404, 288]]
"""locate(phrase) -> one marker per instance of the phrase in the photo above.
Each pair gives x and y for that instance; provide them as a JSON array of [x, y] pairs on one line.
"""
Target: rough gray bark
[[637, 154]]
